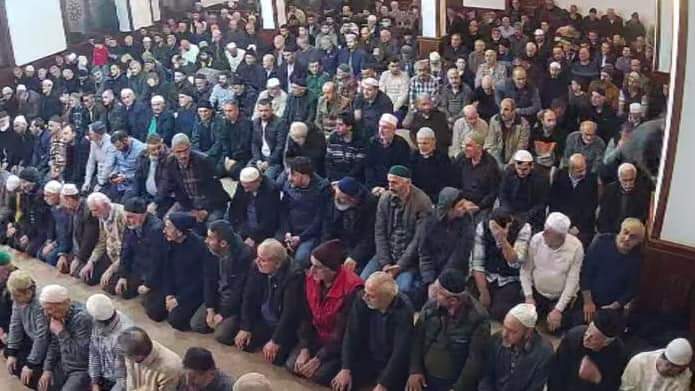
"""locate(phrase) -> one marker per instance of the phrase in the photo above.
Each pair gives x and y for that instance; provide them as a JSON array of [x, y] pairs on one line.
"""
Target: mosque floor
[[228, 359]]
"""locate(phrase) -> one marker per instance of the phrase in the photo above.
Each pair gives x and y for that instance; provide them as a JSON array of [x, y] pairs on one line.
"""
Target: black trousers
[[179, 317], [22, 354], [544, 306], [326, 372]]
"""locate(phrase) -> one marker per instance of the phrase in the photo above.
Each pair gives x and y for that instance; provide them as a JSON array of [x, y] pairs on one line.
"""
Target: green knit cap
[[401, 171], [5, 258]]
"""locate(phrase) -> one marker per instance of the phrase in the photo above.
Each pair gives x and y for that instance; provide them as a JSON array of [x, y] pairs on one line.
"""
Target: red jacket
[[100, 56], [324, 312]]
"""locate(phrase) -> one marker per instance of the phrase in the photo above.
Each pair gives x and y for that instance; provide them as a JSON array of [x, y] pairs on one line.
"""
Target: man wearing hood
[[445, 238], [351, 219], [306, 196], [224, 282]]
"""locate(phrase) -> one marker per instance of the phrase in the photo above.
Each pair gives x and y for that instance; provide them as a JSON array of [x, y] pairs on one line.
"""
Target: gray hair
[[299, 128], [157, 99], [426, 132], [98, 199], [625, 167], [275, 248], [127, 91], [180, 138], [134, 341]]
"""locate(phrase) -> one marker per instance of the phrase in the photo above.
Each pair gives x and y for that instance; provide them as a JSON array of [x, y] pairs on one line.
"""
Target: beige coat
[[160, 371]]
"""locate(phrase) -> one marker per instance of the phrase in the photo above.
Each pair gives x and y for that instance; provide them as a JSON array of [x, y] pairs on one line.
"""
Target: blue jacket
[[138, 116], [144, 253], [359, 58], [302, 210]]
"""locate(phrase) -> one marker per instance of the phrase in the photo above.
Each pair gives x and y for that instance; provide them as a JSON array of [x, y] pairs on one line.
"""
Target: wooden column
[[432, 26]]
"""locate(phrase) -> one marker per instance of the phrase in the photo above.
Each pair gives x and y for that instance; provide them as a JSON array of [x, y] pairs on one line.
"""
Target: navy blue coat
[[137, 120], [142, 256]]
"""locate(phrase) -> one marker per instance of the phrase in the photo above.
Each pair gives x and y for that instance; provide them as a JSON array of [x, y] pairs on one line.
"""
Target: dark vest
[[494, 260]]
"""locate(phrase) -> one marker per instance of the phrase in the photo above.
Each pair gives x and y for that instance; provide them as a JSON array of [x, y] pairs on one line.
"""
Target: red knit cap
[[331, 254]]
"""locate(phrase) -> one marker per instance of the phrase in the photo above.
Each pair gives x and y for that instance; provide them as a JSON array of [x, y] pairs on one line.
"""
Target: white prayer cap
[[249, 174], [6, 90], [555, 65], [273, 82], [29, 68], [522, 155], [539, 32], [635, 108], [231, 45], [100, 307], [390, 119], [679, 352], [558, 222], [12, 183], [435, 57], [71, 57], [69, 190], [21, 87], [20, 118], [54, 294], [525, 313], [252, 381], [52, 187], [370, 82]]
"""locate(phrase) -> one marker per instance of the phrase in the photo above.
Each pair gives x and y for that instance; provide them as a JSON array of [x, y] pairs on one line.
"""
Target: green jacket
[[314, 84], [451, 349]]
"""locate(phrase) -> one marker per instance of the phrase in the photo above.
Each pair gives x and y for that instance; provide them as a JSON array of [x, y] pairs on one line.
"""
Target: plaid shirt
[[191, 185], [417, 87], [478, 256]]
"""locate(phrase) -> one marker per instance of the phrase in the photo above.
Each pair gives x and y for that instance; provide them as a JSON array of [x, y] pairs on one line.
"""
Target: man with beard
[[590, 358], [162, 121], [255, 207], [660, 370], [627, 197], [114, 116], [518, 357], [369, 107]]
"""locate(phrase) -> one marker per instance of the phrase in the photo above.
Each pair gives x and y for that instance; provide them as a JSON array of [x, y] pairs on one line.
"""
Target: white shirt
[[554, 273], [641, 375]]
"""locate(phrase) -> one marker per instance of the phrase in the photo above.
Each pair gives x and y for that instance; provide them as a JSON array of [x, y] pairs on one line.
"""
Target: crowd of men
[[358, 214]]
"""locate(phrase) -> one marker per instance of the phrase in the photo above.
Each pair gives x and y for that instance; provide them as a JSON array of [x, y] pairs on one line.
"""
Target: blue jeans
[[303, 252], [408, 281]]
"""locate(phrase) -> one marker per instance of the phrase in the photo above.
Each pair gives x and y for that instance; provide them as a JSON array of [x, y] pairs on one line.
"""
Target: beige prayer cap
[[526, 314], [12, 183], [69, 190], [273, 82], [370, 82], [249, 174], [252, 381], [52, 187], [635, 108], [19, 280], [558, 222], [679, 352], [54, 294]]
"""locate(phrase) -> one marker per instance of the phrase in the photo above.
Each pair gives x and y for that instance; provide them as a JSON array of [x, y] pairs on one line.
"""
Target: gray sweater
[[105, 357], [29, 321], [71, 346]]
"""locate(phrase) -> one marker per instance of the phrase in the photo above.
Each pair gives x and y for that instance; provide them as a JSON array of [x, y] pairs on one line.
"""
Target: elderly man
[[518, 357], [149, 174], [524, 191], [602, 114], [305, 200], [142, 254], [330, 290], [476, 172], [431, 167], [149, 365], [660, 370], [104, 261], [106, 362], [384, 151], [526, 98], [345, 150], [58, 238], [610, 271], [276, 97], [136, 114], [574, 193], [301, 106], [122, 178], [628, 197], [395, 237], [378, 338], [206, 128], [83, 228], [268, 141], [351, 218], [102, 158], [422, 83], [308, 142], [500, 248], [496, 70], [271, 304], [436, 361], [190, 176], [162, 121], [330, 105], [50, 102], [70, 327], [454, 96], [550, 275], [28, 335], [183, 279], [369, 106], [427, 116], [254, 210], [590, 357], [30, 214], [586, 142], [469, 123], [201, 373], [508, 133], [224, 282]]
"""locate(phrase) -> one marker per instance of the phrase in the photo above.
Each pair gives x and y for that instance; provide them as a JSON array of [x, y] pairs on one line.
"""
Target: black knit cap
[[135, 205], [182, 221], [198, 359], [453, 281], [30, 174], [609, 322]]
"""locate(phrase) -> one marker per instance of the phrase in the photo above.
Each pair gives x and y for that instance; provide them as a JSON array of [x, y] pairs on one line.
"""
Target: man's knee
[[226, 331], [199, 322]]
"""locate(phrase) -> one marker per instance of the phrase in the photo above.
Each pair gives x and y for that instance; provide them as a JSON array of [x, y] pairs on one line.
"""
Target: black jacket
[[526, 197], [530, 373], [225, 278], [479, 183], [183, 269], [379, 159], [234, 142], [165, 125], [615, 206], [578, 203], [431, 174], [275, 136], [143, 255], [209, 185], [137, 120], [267, 201]]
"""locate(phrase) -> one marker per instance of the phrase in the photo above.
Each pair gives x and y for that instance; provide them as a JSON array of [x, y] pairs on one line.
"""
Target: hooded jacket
[[225, 278]]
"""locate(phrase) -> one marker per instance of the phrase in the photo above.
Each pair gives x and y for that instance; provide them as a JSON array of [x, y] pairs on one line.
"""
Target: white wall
[[36, 29], [624, 8], [679, 219]]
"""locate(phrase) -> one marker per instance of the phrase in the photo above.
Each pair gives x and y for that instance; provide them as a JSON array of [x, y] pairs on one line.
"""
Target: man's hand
[[589, 311], [210, 318], [48, 248], [393, 270], [143, 290], [554, 320], [217, 319], [612, 306], [95, 387], [11, 364], [302, 359], [11, 230], [574, 231], [74, 265], [229, 164], [309, 369], [270, 351], [250, 242], [342, 381], [45, 381], [25, 376], [152, 208], [56, 326], [485, 298], [242, 339], [378, 191], [350, 264], [121, 286], [87, 271], [62, 264], [379, 387], [589, 371], [171, 303], [200, 215], [416, 382], [106, 277]]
